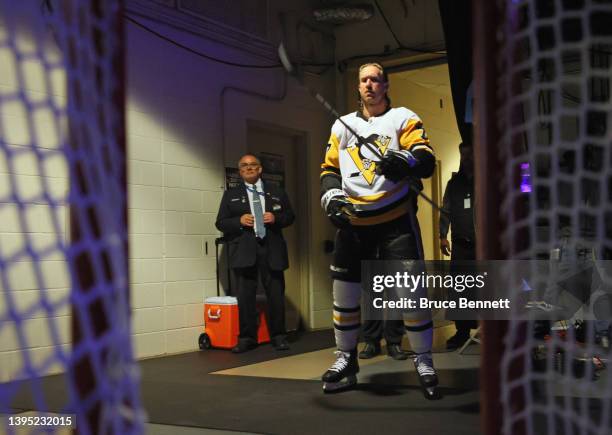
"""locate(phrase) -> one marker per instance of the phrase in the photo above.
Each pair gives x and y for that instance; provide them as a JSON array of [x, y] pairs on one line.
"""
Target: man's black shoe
[[457, 340], [280, 344], [370, 351], [396, 352], [244, 346]]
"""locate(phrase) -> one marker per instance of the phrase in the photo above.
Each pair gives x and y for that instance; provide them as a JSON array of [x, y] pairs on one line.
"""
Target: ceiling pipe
[[344, 14]]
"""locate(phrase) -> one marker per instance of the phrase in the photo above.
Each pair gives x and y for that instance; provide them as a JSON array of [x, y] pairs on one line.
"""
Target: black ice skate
[[342, 374], [423, 364]]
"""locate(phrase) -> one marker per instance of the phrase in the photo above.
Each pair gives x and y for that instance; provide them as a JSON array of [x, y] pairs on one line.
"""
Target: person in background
[[458, 214], [251, 217], [374, 330]]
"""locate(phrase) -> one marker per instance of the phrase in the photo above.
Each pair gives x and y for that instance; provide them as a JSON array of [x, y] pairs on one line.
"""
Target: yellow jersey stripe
[[367, 199], [401, 210], [332, 159], [412, 134], [327, 172]]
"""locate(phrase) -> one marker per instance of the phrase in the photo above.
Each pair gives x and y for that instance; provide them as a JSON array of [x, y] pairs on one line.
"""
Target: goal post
[[488, 170], [543, 152]]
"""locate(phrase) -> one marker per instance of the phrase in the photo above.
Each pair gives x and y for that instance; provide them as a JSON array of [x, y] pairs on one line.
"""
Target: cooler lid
[[221, 300]]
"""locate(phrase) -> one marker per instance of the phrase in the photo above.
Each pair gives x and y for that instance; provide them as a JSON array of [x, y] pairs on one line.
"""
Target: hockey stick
[[415, 189], [292, 71]]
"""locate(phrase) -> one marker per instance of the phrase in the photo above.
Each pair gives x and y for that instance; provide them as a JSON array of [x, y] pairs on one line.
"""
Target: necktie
[[260, 229]]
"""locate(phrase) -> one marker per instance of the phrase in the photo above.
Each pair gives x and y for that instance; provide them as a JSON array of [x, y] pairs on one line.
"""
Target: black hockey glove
[[396, 165], [340, 211], [338, 208]]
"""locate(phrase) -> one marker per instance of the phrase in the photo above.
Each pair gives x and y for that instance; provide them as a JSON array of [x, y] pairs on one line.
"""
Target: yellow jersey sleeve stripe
[[413, 134], [332, 159], [324, 173]]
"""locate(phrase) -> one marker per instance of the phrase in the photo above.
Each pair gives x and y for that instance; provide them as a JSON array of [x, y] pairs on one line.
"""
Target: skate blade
[[343, 385], [431, 393]]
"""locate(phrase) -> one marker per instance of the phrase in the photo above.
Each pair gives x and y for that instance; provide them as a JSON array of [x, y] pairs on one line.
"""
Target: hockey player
[[367, 191]]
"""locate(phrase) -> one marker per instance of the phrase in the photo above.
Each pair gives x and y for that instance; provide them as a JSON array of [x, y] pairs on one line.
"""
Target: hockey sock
[[420, 334], [347, 314]]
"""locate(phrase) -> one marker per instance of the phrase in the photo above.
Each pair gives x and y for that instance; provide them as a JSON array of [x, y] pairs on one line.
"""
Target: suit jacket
[[461, 219], [242, 243]]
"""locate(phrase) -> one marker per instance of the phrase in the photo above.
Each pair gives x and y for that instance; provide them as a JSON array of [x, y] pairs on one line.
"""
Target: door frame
[[302, 208]]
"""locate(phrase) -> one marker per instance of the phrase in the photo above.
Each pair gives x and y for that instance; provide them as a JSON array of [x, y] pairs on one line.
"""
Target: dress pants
[[274, 284], [392, 330], [463, 250]]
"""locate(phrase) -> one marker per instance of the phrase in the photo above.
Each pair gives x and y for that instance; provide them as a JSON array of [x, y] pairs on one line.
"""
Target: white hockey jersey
[[376, 199]]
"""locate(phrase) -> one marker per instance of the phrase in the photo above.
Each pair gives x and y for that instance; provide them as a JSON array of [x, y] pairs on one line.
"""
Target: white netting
[[63, 258], [555, 73]]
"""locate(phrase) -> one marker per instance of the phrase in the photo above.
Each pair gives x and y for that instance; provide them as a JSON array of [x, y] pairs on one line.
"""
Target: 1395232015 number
[[65, 420]]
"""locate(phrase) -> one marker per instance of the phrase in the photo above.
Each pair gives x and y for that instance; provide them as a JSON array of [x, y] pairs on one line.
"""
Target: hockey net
[[552, 116], [64, 305]]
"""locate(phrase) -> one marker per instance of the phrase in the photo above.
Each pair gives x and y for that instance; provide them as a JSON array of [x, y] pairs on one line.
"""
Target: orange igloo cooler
[[221, 323]]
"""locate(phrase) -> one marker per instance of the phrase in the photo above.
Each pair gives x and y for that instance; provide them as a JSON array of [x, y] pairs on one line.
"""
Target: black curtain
[[457, 25]]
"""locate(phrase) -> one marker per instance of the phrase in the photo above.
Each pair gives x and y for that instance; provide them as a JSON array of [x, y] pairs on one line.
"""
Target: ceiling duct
[[344, 14]]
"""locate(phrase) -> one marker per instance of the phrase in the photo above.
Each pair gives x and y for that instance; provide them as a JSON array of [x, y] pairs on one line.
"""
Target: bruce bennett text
[[424, 303]]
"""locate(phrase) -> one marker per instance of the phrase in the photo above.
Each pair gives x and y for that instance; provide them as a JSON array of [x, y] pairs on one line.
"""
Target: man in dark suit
[[458, 207], [251, 217]]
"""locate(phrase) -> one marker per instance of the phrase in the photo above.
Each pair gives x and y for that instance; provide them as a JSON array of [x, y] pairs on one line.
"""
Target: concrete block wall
[[174, 189], [187, 121]]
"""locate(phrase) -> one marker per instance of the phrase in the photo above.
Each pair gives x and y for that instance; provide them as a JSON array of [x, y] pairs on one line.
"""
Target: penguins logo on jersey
[[365, 159]]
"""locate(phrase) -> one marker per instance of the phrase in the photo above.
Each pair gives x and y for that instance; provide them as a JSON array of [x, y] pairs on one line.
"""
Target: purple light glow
[[525, 178]]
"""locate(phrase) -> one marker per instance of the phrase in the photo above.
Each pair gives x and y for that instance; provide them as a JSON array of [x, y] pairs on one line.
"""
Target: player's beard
[[373, 103]]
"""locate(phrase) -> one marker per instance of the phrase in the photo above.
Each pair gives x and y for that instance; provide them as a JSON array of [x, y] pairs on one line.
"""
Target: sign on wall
[[273, 169], [232, 178]]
